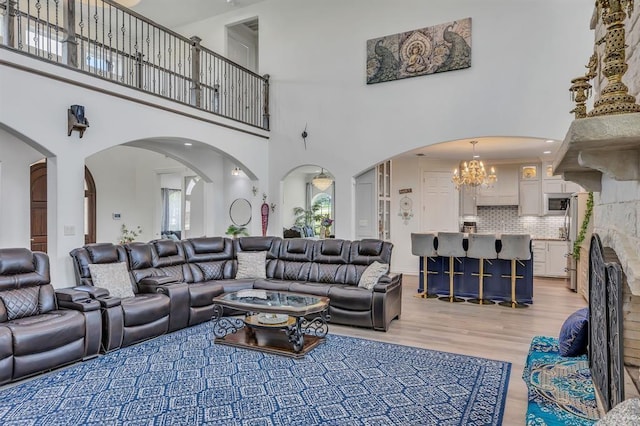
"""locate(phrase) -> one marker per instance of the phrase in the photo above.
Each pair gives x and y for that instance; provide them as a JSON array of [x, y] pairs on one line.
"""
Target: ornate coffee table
[[278, 322]]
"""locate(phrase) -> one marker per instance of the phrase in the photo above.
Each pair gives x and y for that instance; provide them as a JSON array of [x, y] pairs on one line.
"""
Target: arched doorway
[[38, 197]]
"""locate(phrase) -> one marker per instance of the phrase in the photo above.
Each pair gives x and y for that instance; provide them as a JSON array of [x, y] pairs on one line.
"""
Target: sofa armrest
[[94, 292], [159, 280], [388, 282], [70, 298], [179, 298], [387, 301]]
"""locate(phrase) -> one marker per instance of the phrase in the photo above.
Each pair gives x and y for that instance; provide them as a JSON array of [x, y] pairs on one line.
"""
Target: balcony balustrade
[[111, 42]]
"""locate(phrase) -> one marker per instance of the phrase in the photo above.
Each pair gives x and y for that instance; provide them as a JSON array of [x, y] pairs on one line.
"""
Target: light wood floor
[[491, 332]]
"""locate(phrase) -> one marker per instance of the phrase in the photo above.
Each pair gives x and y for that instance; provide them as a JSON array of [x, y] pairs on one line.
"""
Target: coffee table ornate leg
[[296, 336], [317, 326], [224, 325]]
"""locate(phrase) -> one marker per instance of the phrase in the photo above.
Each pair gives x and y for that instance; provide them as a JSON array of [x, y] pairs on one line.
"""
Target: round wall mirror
[[240, 212]]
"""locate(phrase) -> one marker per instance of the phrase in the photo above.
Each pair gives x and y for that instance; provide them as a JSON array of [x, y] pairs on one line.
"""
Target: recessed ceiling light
[[188, 144], [476, 156], [549, 141], [547, 152]]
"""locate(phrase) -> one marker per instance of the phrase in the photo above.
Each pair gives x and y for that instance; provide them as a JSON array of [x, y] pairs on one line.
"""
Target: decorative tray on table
[[271, 319]]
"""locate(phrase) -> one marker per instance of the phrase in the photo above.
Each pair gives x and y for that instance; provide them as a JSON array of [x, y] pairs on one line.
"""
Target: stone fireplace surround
[[602, 154]]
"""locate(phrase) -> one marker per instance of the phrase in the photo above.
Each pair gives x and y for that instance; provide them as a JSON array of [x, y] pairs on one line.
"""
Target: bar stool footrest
[[478, 301], [452, 299], [513, 304], [424, 295]]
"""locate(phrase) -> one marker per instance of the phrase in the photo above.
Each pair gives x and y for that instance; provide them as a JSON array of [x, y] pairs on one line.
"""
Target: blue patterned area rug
[[184, 379]]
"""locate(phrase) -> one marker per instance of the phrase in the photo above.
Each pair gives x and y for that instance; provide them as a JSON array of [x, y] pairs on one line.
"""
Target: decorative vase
[[327, 232]]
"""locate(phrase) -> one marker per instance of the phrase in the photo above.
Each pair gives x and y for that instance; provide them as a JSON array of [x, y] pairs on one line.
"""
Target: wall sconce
[[76, 120], [235, 171]]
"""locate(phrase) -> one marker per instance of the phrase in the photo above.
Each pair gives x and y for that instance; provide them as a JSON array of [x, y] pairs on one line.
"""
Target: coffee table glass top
[[273, 301]]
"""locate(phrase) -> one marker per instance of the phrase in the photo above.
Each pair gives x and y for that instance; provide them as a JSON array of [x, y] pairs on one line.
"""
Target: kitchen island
[[497, 284]]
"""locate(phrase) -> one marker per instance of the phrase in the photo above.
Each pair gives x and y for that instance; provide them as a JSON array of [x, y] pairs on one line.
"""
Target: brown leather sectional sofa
[[190, 273], [174, 283]]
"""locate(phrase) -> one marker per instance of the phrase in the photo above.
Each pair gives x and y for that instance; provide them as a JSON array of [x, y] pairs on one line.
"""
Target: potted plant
[[236, 231], [128, 235]]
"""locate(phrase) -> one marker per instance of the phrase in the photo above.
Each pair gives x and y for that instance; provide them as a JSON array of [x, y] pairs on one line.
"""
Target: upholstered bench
[[560, 389]]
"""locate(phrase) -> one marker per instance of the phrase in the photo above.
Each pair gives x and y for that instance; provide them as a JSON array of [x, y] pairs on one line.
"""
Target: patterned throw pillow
[[112, 276], [574, 334], [372, 274], [252, 264]]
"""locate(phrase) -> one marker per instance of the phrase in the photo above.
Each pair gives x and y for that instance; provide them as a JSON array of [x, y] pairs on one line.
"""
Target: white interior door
[[439, 202]]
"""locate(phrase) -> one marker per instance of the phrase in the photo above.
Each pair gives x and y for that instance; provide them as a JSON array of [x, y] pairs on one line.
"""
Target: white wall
[[15, 161], [293, 195], [524, 54], [133, 191]]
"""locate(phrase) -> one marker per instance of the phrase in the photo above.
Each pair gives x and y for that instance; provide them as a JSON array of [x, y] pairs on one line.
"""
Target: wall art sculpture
[[440, 48]]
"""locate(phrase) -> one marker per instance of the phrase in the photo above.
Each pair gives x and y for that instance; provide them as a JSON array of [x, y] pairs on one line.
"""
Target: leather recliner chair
[[126, 320], [35, 335]]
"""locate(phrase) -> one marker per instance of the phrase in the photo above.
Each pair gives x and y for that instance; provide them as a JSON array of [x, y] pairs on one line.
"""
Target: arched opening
[[308, 203], [38, 202]]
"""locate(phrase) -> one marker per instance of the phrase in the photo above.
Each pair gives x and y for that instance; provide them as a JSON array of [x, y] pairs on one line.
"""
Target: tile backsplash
[[505, 219]]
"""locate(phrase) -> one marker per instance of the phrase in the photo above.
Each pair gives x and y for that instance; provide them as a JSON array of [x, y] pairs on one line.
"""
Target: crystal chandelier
[[322, 181], [473, 174]]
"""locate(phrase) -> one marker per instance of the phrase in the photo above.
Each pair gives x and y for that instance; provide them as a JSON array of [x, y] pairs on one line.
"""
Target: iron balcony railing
[[107, 40]]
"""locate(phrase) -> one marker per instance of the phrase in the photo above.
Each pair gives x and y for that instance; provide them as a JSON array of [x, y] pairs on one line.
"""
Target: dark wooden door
[[39, 207], [89, 207]]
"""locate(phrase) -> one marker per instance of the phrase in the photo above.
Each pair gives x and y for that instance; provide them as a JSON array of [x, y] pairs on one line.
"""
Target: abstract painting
[[440, 48]]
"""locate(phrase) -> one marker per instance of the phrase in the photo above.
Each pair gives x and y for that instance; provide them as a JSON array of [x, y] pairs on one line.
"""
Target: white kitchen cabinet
[[550, 258], [468, 202], [559, 186], [530, 202], [504, 192], [547, 171], [383, 171]]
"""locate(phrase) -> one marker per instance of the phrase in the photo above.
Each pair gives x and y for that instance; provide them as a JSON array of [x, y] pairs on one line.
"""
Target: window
[[190, 184], [322, 207], [171, 209]]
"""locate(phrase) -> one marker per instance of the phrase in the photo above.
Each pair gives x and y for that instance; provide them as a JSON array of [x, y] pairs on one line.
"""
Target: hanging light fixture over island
[[473, 174]]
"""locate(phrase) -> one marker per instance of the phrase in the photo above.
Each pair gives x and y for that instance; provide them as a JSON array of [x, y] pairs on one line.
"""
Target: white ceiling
[[173, 13], [494, 149]]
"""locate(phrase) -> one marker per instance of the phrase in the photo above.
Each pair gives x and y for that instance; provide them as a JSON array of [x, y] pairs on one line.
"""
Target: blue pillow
[[574, 334]]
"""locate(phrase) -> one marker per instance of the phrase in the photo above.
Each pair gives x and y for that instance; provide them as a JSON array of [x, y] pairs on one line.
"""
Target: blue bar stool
[[481, 247], [450, 245], [423, 245], [516, 248]]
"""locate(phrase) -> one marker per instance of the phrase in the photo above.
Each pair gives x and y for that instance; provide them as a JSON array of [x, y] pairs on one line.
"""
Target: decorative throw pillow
[[252, 264], [112, 276], [574, 334], [372, 274]]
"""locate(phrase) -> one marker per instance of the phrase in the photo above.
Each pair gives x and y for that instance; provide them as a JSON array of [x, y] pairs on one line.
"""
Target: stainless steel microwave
[[556, 204]]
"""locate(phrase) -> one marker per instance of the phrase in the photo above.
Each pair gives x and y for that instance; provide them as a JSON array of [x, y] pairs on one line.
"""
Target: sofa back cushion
[[269, 244], [207, 249], [167, 253], [158, 258], [25, 288], [96, 253], [365, 252], [294, 260], [331, 250], [329, 273]]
